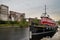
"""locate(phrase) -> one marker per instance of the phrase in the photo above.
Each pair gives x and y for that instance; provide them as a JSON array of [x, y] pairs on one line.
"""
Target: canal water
[[55, 37], [14, 33]]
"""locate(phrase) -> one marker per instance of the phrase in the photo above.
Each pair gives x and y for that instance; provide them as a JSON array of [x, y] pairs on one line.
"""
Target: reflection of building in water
[[15, 16], [4, 10]]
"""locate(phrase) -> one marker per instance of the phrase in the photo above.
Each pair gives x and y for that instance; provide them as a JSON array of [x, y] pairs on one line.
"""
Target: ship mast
[[45, 10], [45, 14]]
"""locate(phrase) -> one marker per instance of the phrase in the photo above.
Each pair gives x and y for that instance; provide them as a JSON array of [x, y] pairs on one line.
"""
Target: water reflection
[[14, 33]]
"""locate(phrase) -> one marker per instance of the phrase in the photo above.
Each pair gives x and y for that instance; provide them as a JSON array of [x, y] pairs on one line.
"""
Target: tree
[[58, 22], [23, 23], [36, 21]]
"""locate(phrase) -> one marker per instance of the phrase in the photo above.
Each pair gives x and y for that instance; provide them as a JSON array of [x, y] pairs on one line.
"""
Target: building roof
[[4, 5]]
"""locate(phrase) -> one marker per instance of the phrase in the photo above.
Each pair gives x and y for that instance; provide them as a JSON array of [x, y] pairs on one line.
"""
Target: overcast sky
[[34, 8]]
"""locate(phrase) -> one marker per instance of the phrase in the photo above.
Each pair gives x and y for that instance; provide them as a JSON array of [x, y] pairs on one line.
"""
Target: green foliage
[[58, 22], [23, 23], [3, 22], [36, 21], [8, 22], [13, 22]]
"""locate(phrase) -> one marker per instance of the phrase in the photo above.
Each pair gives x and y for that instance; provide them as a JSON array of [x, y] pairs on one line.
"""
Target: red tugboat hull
[[48, 21]]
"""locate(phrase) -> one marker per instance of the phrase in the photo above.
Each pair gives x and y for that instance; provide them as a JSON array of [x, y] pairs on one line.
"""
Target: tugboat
[[48, 27]]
